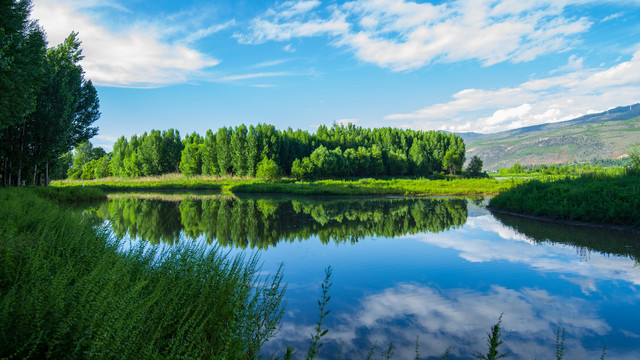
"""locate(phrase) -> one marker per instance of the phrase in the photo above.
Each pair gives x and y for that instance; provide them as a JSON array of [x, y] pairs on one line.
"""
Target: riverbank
[[67, 290], [602, 199], [355, 187]]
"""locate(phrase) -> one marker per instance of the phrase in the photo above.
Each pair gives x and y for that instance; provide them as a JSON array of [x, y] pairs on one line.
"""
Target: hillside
[[606, 135]]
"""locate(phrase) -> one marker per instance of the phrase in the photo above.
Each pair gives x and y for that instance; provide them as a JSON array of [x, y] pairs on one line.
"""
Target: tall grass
[[69, 194], [600, 198], [68, 290]]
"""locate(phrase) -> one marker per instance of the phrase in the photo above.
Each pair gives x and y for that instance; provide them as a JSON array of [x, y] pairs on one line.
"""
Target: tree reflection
[[263, 222], [584, 238]]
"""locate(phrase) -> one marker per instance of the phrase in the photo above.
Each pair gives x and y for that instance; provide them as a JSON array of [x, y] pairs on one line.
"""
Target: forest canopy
[[335, 152]]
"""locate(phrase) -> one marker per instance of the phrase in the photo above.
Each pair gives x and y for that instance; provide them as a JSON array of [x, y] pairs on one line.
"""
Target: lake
[[438, 272]]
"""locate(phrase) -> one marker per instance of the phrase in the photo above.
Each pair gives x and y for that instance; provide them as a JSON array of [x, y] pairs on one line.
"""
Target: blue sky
[[464, 65]]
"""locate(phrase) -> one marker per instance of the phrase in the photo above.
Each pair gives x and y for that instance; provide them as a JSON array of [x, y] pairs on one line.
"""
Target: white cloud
[[136, 56], [254, 76], [574, 63], [202, 33], [551, 99], [271, 63], [611, 17], [405, 35]]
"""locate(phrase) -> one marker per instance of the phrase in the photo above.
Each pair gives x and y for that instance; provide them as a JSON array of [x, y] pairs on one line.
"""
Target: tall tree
[[252, 151], [210, 155], [66, 105], [223, 147], [239, 150], [22, 54]]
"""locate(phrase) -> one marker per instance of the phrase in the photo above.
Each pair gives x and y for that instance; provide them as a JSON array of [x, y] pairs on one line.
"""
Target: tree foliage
[[47, 106], [475, 166]]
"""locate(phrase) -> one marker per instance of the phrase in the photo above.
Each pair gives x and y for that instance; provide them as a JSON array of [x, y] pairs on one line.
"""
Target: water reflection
[[585, 239], [458, 318], [260, 223], [440, 269]]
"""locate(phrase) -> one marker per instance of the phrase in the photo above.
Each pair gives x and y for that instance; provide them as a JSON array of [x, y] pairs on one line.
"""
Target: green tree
[[171, 151], [223, 148], [302, 169], [475, 166], [209, 155], [268, 170], [252, 151], [102, 168], [66, 105], [191, 160], [150, 152], [84, 161], [419, 162], [22, 56], [238, 144], [516, 168], [117, 157], [452, 162]]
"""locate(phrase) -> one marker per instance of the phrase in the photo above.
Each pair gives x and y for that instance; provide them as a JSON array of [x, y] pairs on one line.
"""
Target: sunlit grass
[[599, 198], [356, 187]]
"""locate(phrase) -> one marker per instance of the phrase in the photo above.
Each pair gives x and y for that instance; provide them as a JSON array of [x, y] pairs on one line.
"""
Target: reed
[[601, 198], [68, 290]]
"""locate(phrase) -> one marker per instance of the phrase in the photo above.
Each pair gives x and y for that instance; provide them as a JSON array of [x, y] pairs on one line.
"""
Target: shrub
[[268, 170]]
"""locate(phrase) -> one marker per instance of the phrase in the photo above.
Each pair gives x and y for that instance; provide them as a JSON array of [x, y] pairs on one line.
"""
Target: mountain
[[604, 136]]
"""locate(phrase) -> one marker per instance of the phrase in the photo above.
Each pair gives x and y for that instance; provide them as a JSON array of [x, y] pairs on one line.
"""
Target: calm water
[[442, 270]]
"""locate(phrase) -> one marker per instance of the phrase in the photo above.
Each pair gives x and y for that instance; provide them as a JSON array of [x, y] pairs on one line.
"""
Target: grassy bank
[[594, 198], [358, 187], [68, 291]]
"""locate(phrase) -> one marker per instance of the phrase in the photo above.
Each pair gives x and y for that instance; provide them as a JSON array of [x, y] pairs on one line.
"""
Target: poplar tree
[[223, 142]]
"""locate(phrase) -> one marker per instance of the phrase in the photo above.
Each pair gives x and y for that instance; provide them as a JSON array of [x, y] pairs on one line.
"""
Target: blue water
[[446, 289]]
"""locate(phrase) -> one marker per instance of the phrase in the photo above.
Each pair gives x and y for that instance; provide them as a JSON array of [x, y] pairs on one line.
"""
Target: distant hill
[[602, 136]]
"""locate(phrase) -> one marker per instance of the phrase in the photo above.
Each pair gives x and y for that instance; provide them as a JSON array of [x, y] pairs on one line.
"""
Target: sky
[[464, 65]]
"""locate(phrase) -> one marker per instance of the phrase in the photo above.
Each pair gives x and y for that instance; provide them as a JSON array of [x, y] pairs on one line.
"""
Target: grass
[[70, 195], [357, 187], [598, 198], [67, 290]]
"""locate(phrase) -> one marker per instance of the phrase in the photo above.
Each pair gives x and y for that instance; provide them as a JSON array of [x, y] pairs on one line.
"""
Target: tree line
[[337, 151], [47, 106]]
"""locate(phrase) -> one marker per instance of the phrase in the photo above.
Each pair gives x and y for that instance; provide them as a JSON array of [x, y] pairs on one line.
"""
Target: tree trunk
[[46, 174], [19, 173], [35, 173]]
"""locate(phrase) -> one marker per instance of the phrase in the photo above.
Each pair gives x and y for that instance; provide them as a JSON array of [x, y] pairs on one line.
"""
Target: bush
[[268, 170]]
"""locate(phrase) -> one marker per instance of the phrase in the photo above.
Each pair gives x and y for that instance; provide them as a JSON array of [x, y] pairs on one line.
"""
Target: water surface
[[437, 270]]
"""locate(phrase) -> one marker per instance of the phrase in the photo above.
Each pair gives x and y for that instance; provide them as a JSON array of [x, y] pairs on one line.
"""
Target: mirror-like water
[[437, 270]]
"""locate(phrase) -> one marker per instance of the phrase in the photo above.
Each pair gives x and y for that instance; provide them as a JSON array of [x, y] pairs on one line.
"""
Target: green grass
[[68, 290], [70, 194], [357, 187], [598, 198]]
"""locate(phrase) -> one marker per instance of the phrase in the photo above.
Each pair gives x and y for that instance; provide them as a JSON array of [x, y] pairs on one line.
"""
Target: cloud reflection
[[458, 318], [476, 244]]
